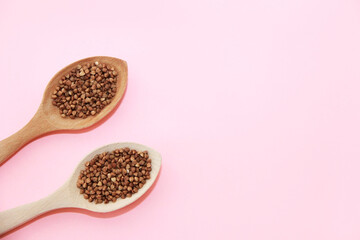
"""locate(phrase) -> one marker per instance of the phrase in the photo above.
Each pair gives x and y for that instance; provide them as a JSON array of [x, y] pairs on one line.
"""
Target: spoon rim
[[77, 200], [51, 113]]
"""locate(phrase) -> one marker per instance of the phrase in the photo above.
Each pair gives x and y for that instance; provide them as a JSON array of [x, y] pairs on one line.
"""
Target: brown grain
[[85, 90], [112, 175]]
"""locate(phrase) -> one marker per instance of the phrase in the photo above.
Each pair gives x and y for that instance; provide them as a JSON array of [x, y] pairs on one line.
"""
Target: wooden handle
[[15, 217], [36, 127]]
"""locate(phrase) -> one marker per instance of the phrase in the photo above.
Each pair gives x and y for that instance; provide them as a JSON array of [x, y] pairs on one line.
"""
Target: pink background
[[254, 106]]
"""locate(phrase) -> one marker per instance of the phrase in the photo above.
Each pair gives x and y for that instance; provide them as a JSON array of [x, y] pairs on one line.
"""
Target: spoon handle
[[36, 127], [15, 217]]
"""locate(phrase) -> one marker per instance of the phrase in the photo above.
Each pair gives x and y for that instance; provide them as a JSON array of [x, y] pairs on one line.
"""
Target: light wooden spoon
[[68, 196], [47, 118]]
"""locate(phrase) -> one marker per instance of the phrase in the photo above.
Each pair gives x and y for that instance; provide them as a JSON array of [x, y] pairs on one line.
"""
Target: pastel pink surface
[[254, 106]]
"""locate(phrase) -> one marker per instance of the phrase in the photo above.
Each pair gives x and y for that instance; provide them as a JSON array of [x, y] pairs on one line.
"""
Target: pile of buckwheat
[[85, 90], [112, 175]]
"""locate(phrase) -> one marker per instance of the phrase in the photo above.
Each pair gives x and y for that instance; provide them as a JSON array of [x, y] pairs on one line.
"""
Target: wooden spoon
[[47, 118], [68, 196]]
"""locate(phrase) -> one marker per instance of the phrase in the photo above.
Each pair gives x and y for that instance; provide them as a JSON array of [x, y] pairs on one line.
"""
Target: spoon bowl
[[47, 119], [68, 196], [52, 113]]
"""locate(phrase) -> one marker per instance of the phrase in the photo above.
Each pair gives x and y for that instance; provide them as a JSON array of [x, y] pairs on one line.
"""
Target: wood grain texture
[[47, 119], [68, 196]]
